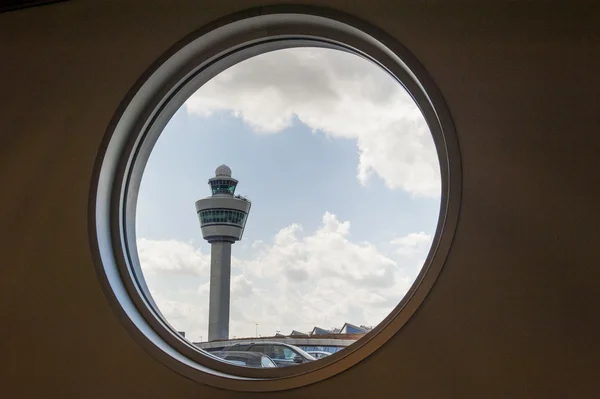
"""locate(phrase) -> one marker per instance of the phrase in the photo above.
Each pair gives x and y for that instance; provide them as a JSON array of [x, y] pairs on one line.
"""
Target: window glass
[[304, 354], [259, 348], [222, 216], [288, 353], [397, 259], [282, 353], [266, 362]]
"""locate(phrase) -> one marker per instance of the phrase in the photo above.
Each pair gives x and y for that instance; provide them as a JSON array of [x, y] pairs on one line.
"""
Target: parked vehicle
[[246, 359], [318, 354], [282, 354]]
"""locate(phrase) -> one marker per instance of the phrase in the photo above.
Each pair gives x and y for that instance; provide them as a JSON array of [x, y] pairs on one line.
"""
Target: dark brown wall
[[515, 310]]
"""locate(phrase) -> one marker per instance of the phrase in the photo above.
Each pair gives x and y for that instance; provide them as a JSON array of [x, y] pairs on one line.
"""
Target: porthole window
[[321, 236]]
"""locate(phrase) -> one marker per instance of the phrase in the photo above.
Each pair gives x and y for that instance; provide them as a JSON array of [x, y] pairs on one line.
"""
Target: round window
[[275, 199]]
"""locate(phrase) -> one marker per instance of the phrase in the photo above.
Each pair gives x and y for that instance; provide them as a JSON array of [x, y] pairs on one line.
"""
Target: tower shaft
[[220, 276]]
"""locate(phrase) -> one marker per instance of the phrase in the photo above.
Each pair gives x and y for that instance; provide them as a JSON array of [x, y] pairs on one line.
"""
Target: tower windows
[[223, 216], [220, 186]]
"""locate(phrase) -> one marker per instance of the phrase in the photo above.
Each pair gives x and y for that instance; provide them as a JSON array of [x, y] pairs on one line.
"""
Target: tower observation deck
[[222, 218]]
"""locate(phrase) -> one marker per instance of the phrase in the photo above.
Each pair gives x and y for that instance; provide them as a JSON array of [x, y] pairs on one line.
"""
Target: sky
[[345, 187]]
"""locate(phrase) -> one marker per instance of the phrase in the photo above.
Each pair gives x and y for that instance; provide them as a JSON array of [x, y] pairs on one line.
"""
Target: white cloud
[[413, 244], [241, 287], [326, 254], [172, 256], [186, 315], [320, 279], [295, 281], [339, 94]]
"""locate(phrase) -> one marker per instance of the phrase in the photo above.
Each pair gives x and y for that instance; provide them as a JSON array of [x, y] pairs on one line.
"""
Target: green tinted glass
[[222, 216]]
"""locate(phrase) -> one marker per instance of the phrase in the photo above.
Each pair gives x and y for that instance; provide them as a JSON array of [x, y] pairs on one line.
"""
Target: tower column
[[220, 276]]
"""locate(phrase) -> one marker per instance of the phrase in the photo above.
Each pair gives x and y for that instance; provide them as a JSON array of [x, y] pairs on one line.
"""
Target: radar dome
[[223, 170]]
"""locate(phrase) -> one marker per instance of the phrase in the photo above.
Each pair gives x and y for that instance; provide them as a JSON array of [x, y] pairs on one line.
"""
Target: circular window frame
[[149, 106]]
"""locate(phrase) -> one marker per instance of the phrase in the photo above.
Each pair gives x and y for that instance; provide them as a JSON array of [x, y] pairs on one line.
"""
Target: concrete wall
[[514, 312]]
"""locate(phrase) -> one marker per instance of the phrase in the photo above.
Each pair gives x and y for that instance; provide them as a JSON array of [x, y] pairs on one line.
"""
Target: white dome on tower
[[223, 170]]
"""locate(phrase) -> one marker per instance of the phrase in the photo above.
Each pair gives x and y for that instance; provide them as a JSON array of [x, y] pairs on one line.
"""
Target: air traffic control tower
[[222, 218]]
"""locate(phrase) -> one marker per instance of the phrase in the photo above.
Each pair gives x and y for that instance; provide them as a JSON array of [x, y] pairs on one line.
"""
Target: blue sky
[[343, 179]]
